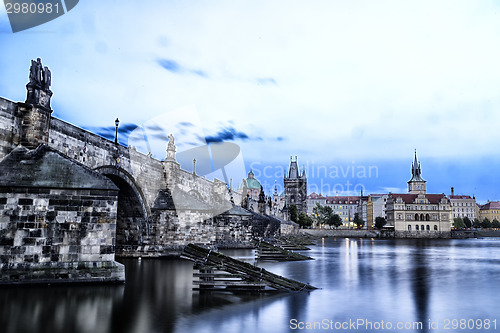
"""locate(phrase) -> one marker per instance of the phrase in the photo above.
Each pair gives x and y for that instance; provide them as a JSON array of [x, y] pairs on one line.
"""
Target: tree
[[477, 223], [294, 215], [467, 222], [486, 223], [458, 223], [335, 220], [380, 222], [305, 220], [358, 221], [318, 215], [324, 215], [495, 224]]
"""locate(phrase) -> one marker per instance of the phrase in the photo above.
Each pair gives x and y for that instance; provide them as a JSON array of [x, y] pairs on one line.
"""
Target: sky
[[351, 88]]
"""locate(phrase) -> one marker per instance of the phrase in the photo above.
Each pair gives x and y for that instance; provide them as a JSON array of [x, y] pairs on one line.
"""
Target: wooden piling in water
[[268, 251], [217, 272]]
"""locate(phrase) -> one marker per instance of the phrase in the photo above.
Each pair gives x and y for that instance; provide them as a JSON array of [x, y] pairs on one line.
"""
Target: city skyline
[[360, 84]]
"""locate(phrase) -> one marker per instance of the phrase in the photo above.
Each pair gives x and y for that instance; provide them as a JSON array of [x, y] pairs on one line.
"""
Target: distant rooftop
[[491, 205]]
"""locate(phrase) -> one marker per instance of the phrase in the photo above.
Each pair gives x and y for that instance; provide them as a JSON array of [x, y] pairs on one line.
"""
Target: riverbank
[[353, 233]]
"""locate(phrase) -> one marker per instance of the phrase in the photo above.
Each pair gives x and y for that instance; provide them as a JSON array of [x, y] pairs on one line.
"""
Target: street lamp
[[117, 122]]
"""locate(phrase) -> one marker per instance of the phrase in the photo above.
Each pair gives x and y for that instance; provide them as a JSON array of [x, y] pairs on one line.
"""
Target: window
[[435, 228], [416, 218], [422, 226], [428, 227], [409, 227], [416, 227]]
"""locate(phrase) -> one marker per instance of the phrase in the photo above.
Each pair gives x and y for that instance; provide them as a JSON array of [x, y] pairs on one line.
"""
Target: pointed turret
[[416, 184], [293, 172]]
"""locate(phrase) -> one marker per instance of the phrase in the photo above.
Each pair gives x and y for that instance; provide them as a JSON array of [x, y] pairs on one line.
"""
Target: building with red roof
[[490, 210], [463, 206], [417, 212]]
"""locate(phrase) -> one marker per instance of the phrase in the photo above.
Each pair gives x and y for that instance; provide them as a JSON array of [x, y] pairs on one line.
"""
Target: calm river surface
[[366, 285]]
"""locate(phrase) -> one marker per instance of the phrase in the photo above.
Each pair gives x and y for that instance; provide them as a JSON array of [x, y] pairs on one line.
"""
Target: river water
[[365, 286]]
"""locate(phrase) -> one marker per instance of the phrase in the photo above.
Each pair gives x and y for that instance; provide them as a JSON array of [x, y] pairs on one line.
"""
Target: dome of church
[[252, 182]]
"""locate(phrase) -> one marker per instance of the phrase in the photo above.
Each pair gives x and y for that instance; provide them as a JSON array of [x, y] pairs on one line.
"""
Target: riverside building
[[417, 213]]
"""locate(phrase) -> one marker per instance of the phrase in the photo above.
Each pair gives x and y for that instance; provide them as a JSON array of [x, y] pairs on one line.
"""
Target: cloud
[[199, 73], [127, 128], [161, 136], [393, 190], [267, 81], [174, 67], [108, 132], [170, 65], [155, 128], [227, 134]]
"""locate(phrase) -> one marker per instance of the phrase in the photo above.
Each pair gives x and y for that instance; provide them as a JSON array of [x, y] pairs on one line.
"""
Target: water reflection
[[421, 285], [59, 309], [373, 280]]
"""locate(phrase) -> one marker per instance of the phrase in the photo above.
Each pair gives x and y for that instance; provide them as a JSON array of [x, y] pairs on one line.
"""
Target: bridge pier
[[57, 220]]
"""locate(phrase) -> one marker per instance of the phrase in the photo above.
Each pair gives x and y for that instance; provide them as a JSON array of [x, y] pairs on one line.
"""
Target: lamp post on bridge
[[117, 122]]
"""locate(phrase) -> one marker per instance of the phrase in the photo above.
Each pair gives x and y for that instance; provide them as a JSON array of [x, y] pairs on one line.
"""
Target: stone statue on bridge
[[47, 78], [39, 75], [39, 86], [35, 72], [171, 148]]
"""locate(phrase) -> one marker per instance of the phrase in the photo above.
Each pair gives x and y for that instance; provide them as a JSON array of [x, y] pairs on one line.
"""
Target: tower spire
[[416, 184]]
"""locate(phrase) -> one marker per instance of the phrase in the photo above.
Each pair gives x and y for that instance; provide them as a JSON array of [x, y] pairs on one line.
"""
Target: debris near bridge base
[[268, 251], [297, 242], [217, 272]]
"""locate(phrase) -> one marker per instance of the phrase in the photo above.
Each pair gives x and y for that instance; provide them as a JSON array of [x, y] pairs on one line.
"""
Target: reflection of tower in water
[[421, 284]]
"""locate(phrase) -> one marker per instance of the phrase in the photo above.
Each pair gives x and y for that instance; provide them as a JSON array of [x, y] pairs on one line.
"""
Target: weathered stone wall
[[51, 230], [35, 123], [170, 232], [57, 220], [422, 234], [264, 226], [462, 234], [10, 127], [376, 233], [233, 231], [289, 228], [214, 192], [343, 233], [96, 152]]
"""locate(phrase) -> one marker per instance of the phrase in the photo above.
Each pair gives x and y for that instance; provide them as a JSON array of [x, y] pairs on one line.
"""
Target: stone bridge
[[151, 207]]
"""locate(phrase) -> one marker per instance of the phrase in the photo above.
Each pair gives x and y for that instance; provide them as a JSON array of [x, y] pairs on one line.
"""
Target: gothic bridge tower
[[295, 184]]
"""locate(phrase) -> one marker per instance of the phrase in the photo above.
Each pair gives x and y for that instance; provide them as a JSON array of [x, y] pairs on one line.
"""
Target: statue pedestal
[[38, 96]]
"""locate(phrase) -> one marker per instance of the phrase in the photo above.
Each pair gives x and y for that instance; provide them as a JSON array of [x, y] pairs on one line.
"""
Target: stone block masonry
[[53, 230], [48, 225]]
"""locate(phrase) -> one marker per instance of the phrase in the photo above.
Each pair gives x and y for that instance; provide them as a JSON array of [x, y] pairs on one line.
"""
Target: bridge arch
[[133, 213]]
